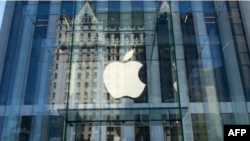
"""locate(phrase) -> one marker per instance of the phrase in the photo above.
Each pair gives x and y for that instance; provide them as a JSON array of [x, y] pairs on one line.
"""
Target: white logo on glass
[[121, 79]]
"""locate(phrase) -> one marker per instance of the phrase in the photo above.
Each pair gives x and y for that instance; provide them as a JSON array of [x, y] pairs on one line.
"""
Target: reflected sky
[[2, 5]]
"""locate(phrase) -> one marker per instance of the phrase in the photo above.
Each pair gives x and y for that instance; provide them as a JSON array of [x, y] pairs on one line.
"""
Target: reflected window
[[77, 96], [87, 66], [79, 66], [67, 84], [87, 75], [95, 85], [104, 96], [76, 105], [55, 75], [88, 56], [96, 66], [89, 137], [110, 129], [110, 137], [108, 96], [86, 84], [78, 85], [85, 95], [54, 95], [95, 75], [94, 94], [78, 75]]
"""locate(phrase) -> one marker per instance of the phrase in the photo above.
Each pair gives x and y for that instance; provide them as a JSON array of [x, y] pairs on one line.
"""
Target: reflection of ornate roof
[[62, 16], [86, 11], [89, 31], [164, 7]]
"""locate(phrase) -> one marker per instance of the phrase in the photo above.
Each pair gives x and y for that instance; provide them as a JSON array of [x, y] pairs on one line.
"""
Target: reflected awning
[[119, 116]]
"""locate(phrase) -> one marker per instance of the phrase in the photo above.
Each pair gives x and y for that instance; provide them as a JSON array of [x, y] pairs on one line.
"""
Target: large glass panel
[[113, 61]]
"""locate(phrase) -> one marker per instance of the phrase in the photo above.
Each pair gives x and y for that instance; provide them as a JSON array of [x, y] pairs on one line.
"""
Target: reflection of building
[[195, 58], [87, 33]]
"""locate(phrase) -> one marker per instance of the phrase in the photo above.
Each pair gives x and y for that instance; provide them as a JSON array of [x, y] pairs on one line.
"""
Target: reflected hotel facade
[[123, 70]]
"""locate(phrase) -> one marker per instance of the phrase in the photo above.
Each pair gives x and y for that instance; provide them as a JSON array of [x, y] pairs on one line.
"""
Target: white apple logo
[[121, 79]]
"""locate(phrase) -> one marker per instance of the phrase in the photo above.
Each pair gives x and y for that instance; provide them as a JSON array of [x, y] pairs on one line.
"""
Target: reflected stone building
[[194, 59]]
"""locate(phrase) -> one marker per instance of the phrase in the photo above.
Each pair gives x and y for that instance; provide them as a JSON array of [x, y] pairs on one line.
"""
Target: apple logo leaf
[[128, 55]]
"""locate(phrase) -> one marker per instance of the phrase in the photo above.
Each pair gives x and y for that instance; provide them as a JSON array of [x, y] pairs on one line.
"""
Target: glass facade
[[123, 70]]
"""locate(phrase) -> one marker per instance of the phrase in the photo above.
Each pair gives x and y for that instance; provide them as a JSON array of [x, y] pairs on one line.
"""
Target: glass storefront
[[123, 70]]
